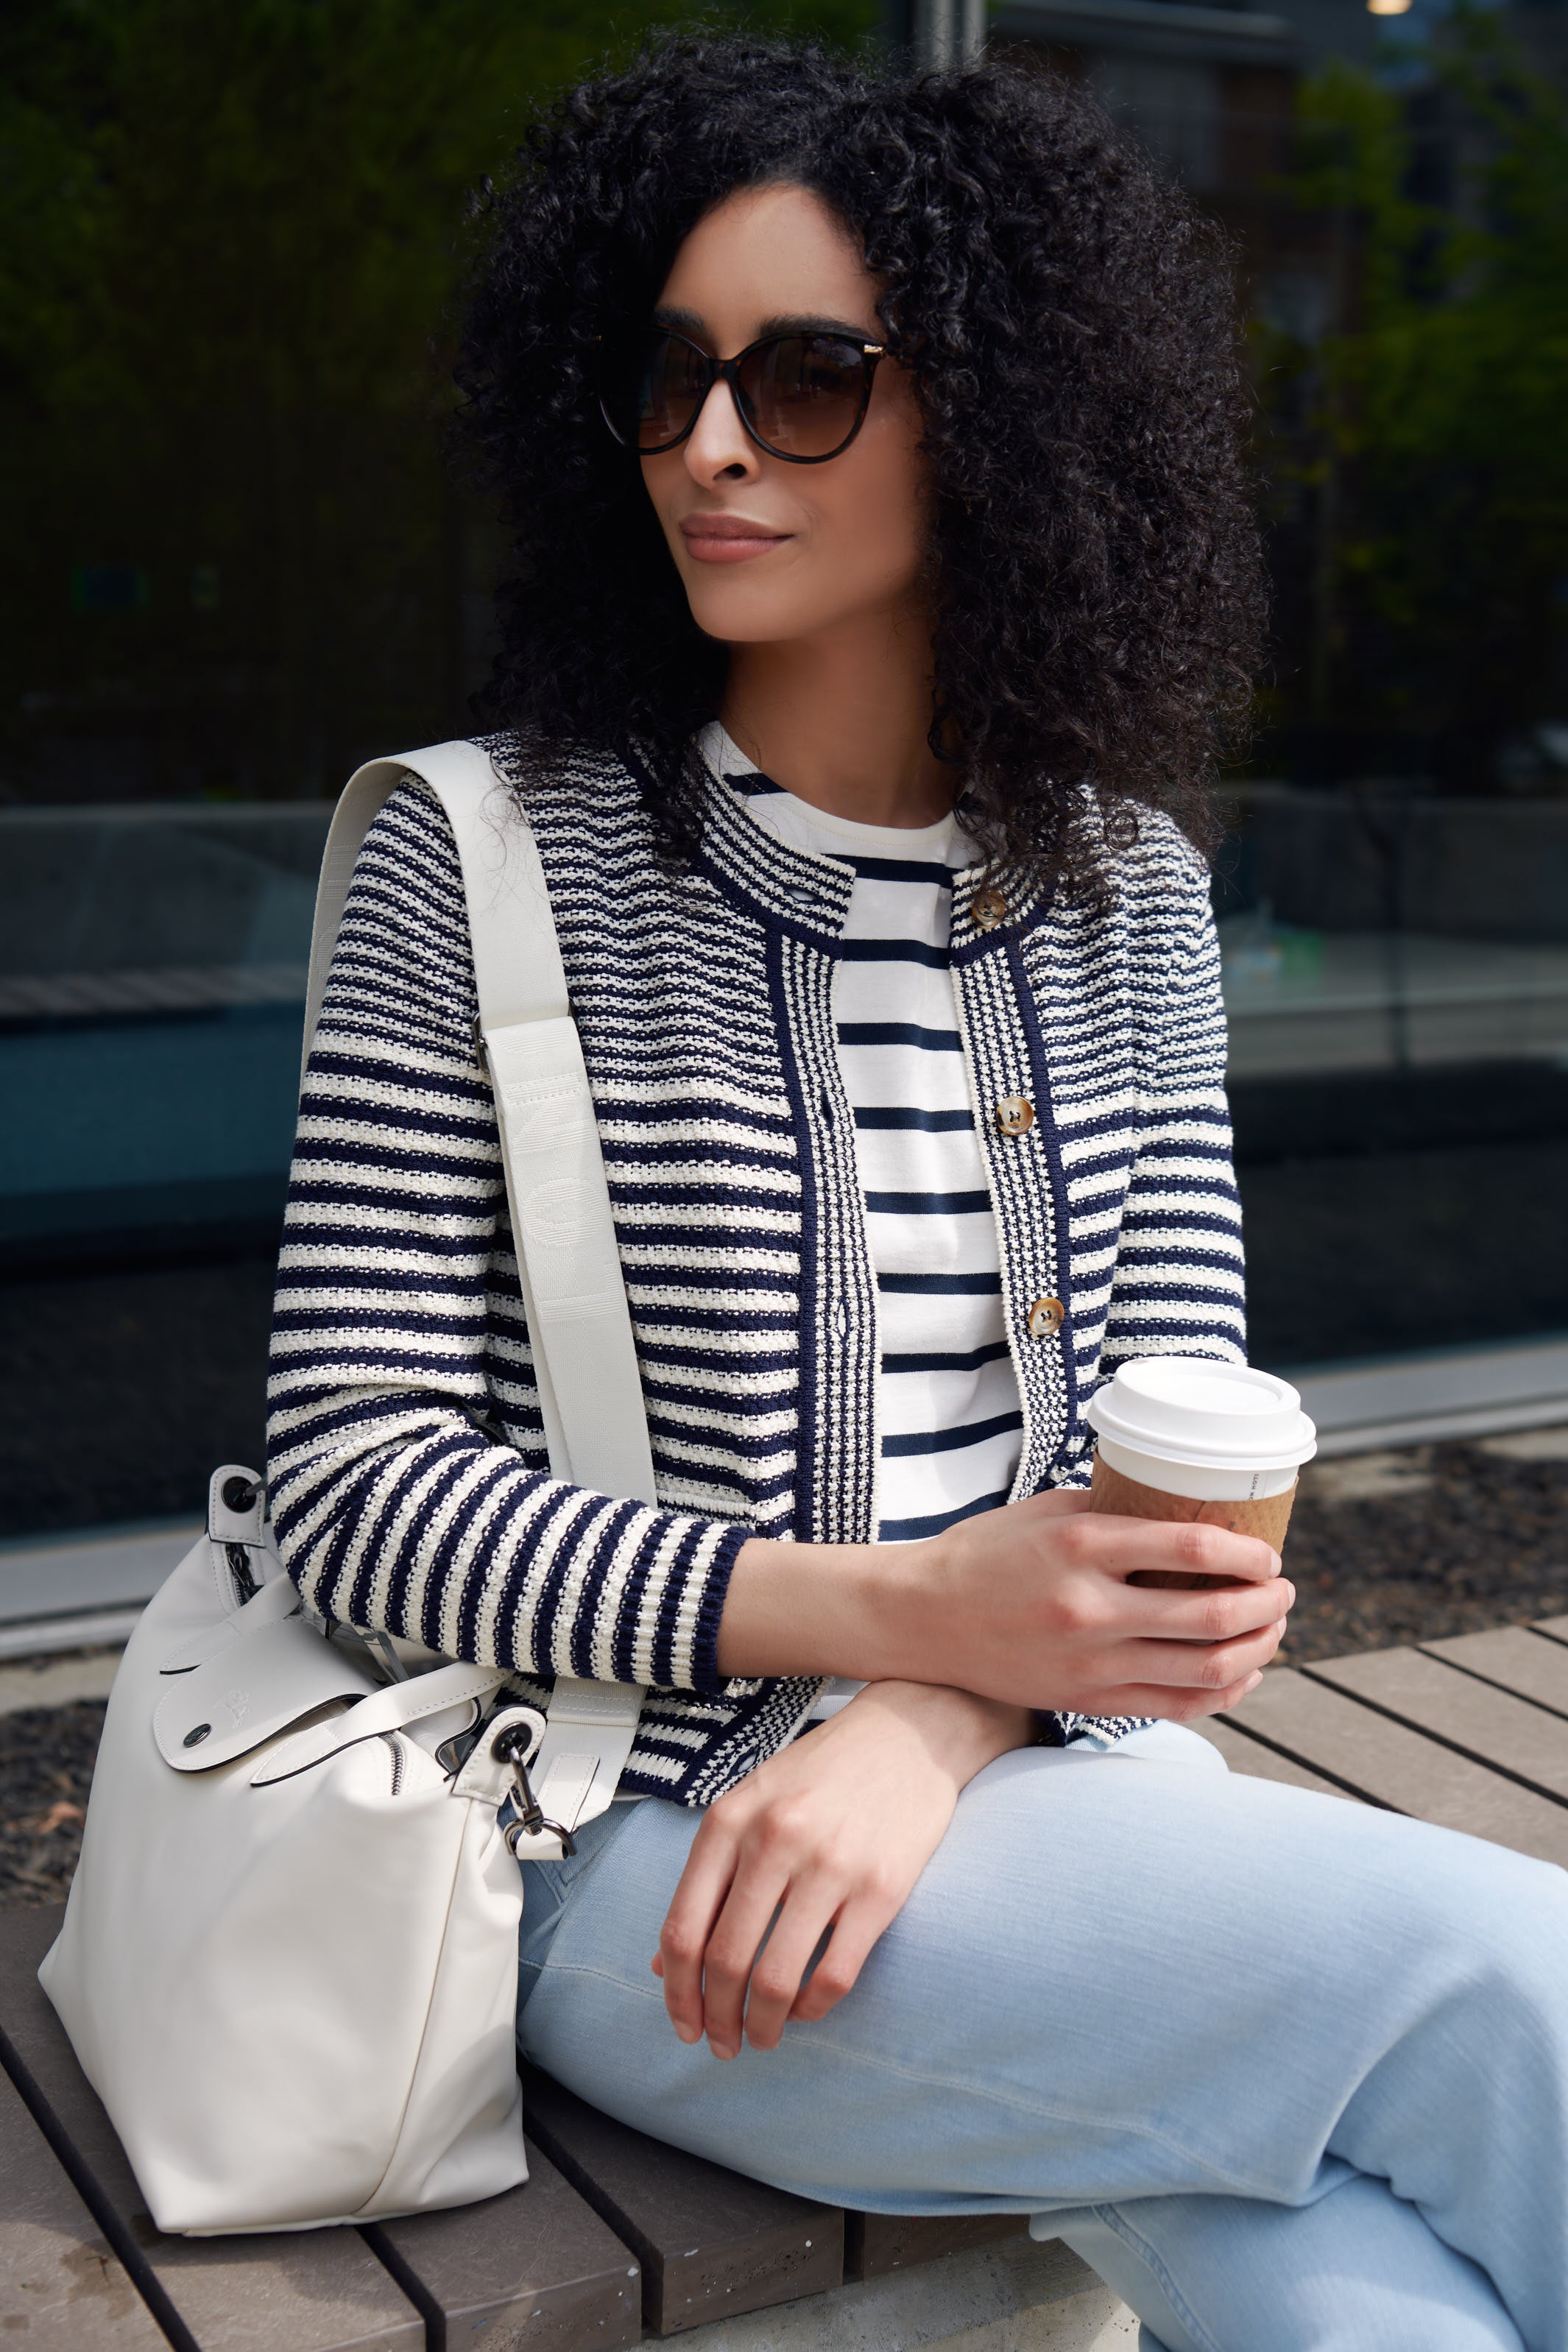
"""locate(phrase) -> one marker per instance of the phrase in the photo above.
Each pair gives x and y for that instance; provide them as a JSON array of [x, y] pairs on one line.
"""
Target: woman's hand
[[1033, 1604], [830, 1833]]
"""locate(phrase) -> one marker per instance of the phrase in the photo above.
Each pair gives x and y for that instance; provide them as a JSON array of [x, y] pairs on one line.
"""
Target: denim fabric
[[1292, 2073]]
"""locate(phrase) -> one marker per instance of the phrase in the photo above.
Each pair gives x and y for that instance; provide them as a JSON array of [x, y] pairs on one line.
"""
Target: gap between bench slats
[[1391, 1764], [61, 2285], [711, 2242], [1516, 1658], [1505, 1734], [1260, 1763], [535, 2266]]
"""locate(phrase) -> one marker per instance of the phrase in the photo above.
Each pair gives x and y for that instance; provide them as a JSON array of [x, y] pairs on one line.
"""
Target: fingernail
[[723, 2049], [690, 2032], [1251, 1682]]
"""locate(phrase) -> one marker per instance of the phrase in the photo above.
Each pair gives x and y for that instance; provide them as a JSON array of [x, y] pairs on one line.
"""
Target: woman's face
[[801, 549]]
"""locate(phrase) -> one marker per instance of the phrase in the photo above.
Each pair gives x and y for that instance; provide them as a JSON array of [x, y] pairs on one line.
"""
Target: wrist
[[961, 1731]]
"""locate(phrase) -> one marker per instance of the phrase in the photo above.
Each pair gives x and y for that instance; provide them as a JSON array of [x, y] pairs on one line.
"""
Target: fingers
[[855, 1932], [754, 1895], [1204, 1666], [1190, 1547], [800, 1927], [1171, 1705], [683, 1941], [1220, 1613]]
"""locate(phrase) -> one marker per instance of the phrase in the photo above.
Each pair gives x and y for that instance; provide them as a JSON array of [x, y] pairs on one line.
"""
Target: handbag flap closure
[[256, 1686], [396, 1706]]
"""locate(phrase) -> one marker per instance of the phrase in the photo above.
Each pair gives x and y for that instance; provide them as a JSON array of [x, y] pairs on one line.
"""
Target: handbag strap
[[569, 1268]]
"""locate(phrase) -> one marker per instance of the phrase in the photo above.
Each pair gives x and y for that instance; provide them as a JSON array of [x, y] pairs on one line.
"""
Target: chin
[[743, 620]]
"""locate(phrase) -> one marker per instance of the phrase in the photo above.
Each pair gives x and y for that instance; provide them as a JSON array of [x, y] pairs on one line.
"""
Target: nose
[[717, 448]]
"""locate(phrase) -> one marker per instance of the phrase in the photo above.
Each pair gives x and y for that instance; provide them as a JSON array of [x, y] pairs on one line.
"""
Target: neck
[[840, 720]]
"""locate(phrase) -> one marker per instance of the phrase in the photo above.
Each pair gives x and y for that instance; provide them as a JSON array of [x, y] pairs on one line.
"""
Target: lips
[[728, 537]]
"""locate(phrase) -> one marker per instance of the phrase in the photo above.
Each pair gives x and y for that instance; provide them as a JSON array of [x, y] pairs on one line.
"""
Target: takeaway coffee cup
[[1181, 1438]]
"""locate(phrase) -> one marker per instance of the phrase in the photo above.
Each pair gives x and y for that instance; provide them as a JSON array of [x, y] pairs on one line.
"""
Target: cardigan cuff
[[705, 1675]]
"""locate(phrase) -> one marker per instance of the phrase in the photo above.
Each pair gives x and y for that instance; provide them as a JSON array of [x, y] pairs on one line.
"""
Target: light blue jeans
[[1290, 2073]]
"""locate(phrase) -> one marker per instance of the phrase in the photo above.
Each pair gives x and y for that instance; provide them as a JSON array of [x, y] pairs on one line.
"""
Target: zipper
[[395, 1745]]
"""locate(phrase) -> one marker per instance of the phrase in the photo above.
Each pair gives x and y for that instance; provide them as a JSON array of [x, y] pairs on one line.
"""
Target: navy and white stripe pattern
[[705, 1002], [948, 1411]]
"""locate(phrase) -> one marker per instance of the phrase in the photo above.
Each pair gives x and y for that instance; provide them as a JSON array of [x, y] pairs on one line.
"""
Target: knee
[[1506, 1918]]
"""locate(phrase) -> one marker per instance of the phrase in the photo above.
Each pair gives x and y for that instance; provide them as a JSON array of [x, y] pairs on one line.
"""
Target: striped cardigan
[[406, 1462]]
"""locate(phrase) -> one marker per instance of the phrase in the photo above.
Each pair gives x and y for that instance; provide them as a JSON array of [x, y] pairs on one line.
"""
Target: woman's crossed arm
[[958, 1639]]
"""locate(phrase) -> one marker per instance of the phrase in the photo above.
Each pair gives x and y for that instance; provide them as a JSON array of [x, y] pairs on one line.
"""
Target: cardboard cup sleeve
[[1268, 1515]]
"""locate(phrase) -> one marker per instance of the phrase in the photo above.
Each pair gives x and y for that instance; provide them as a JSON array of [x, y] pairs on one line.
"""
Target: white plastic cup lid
[[1186, 1409]]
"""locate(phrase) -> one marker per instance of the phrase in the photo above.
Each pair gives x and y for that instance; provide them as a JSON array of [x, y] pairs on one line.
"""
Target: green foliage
[[1437, 444]]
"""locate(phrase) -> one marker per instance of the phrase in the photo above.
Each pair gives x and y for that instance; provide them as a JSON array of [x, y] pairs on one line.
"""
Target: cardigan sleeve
[[399, 1347], [1178, 1287]]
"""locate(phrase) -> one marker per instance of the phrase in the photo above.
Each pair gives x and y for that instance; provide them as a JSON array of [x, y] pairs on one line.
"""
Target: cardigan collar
[[808, 895]]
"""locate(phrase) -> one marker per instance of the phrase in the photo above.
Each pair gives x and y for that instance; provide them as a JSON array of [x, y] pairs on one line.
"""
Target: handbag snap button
[[195, 1738]]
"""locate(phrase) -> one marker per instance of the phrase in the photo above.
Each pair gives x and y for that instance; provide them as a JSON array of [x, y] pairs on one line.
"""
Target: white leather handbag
[[289, 1963]]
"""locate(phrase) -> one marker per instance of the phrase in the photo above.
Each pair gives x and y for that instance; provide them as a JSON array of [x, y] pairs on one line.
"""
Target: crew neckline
[[945, 841]]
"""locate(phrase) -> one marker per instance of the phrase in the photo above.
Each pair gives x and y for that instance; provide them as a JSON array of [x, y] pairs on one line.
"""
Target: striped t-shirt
[[949, 1411]]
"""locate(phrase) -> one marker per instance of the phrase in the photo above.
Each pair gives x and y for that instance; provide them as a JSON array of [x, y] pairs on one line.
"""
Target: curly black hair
[[1067, 319]]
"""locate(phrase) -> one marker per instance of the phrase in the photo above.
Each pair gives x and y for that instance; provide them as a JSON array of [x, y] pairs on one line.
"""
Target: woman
[[884, 580]]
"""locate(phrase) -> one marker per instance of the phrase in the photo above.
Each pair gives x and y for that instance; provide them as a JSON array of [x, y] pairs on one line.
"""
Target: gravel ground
[[1432, 1540], [46, 1767], [1384, 1549]]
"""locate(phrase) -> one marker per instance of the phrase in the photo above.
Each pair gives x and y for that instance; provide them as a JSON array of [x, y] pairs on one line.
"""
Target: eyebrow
[[687, 322]]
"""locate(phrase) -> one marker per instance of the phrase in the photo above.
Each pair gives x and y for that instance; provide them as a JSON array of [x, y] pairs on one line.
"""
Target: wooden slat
[[61, 2286], [303, 2291], [1260, 1763], [1515, 1660], [711, 2242], [876, 2243], [1392, 1764], [1493, 1727], [1554, 1628], [533, 2268]]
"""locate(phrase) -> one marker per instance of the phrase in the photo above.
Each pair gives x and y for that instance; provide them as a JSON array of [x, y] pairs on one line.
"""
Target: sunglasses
[[801, 397]]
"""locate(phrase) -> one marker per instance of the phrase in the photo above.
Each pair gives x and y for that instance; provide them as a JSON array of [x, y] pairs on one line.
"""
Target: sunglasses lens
[[803, 394], [668, 392]]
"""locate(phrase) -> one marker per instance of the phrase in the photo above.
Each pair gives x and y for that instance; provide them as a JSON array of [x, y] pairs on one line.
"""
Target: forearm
[[1035, 1605], [857, 1610]]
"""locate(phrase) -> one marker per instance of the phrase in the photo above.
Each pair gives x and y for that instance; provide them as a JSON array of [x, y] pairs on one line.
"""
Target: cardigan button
[[1046, 1317], [1014, 1115], [988, 909]]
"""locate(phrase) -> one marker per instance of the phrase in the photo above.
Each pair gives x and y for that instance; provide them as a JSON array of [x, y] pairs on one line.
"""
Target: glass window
[[1396, 987]]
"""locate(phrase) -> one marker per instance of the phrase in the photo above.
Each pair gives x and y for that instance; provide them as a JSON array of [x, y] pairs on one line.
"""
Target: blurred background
[[237, 564]]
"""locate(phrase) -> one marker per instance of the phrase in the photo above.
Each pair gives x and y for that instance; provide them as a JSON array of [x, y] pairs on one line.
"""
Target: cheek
[[868, 522], [881, 526], [875, 508], [663, 479]]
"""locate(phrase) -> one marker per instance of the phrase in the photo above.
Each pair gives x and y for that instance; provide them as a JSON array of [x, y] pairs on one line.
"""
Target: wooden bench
[[615, 2235]]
